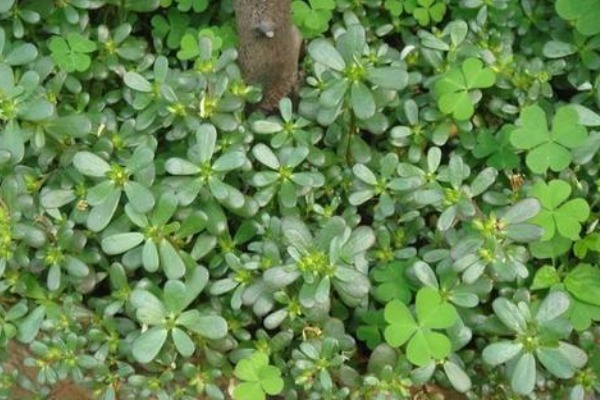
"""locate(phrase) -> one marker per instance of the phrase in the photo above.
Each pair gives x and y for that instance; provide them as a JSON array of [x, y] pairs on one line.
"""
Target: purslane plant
[[427, 195]]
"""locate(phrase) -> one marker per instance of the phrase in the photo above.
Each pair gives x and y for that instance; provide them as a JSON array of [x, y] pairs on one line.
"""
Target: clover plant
[[557, 214], [72, 54], [548, 149], [458, 88], [259, 378], [314, 16], [424, 343], [582, 15]]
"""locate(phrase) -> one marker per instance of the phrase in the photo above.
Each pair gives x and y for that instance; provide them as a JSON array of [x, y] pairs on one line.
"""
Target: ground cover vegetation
[[426, 214]]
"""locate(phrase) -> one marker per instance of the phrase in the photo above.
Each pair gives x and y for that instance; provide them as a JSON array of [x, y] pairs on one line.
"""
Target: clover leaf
[[496, 148], [429, 10], [591, 242], [260, 378], [395, 7], [582, 315], [423, 343], [371, 329], [72, 54], [455, 89], [548, 149], [391, 282], [557, 214], [583, 13], [197, 5], [545, 278], [312, 17], [173, 27], [583, 282]]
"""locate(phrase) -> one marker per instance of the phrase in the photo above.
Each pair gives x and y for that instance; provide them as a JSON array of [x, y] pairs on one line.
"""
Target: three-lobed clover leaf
[[582, 283], [173, 27], [197, 5], [496, 148], [313, 16], [391, 282], [260, 378], [548, 149], [371, 329], [72, 54], [395, 7], [424, 344], [583, 13], [558, 214], [427, 11], [455, 90]]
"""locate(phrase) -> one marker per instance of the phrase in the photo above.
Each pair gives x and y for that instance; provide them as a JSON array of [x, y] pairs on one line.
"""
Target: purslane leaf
[[147, 346]]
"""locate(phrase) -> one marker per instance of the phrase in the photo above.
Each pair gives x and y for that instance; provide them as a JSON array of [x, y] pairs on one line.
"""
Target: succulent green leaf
[[523, 376], [137, 82], [457, 376], [184, 344], [208, 326], [170, 260], [554, 305], [174, 296], [30, 325], [363, 102], [392, 78], [90, 164], [101, 215], [146, 347], [323, 52], [501, 352], [555, 362], [509, 314], [139, 196]]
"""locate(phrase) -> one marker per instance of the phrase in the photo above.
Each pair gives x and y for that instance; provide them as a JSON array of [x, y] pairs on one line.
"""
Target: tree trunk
[[269, 47]]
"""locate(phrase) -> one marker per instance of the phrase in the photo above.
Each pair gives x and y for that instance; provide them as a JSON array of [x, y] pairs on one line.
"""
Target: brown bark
[[269, 47]]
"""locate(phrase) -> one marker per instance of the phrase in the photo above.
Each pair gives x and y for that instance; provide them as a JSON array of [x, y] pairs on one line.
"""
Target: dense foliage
[[427, 212]]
